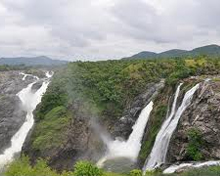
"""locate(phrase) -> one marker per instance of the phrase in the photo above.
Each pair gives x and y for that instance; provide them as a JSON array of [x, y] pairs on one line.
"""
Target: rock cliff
[[198, 133]]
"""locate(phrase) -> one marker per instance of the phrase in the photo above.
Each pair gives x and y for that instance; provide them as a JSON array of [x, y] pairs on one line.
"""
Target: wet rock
[[37, 85], [11, 114], [123, 127], [203, 115], [11, 119]]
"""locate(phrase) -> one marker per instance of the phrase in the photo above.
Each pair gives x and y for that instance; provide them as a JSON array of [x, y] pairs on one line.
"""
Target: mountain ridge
[[31, 61], [212, 50]]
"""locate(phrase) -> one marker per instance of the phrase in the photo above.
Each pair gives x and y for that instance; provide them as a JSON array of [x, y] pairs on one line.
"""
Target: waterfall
[[130, 148], [159, 150], [29, 102]]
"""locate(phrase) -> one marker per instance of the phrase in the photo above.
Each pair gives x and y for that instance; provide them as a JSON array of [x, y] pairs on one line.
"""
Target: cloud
[[101, 29]]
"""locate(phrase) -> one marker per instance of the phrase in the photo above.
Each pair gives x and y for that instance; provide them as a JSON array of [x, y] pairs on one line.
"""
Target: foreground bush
[[22, 167], [85, 168], [135, 172]]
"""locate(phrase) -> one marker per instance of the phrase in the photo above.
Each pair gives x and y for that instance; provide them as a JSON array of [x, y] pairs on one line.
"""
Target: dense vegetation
[[112, 85], [103, 90]]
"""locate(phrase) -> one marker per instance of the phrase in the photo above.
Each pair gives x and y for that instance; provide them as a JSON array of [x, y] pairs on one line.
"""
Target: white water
[[130, 148], [159, 151], [29, 102], [26, 75], [49, 74], [174, 168]]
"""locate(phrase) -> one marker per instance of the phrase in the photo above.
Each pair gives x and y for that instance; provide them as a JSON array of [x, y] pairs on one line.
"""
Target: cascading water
[[49, 74], [26, 75], [29, 102], [174, 168], [159, 151], [131, 147]]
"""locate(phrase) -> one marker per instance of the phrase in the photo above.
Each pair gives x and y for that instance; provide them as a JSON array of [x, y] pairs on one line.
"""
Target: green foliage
[[195, 141], [135, 172], [111, 85], [50, 132], [21, 167], [85, 168]]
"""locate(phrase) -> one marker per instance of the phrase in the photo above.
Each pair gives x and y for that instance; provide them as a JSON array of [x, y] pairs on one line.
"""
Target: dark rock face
[[37, 85], [81, 142], [123, 127], [11, 114], [204, 115]]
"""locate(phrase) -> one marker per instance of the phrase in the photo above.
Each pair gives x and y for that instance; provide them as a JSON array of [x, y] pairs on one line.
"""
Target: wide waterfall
[[130, 148], [160, 148], [29, 102]]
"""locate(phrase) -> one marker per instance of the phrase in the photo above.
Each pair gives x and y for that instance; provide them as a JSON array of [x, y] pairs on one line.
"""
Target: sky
[[105, 29]]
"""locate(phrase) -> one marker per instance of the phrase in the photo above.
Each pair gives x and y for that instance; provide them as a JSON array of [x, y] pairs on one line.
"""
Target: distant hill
[[172, 53], [144, 54], [210, 50], [31, 61]]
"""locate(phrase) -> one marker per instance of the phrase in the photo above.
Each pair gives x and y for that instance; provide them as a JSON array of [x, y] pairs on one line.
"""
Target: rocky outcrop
[[203, 115], [123, 127], [81, 141]]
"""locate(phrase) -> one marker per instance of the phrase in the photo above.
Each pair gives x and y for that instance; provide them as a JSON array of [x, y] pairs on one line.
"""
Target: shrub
[[195, 141], [19, 167], [135, 172], [22, 167], [85, 168]]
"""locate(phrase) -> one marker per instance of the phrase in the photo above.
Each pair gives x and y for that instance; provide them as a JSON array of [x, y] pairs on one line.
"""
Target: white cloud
[[101, 29]]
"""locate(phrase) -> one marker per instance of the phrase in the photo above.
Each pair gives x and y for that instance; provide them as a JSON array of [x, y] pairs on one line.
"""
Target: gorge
[[138, 115]]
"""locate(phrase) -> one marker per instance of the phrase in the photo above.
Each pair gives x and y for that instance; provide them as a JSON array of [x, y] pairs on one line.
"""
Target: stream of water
[[29, 102], [160, 148]]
